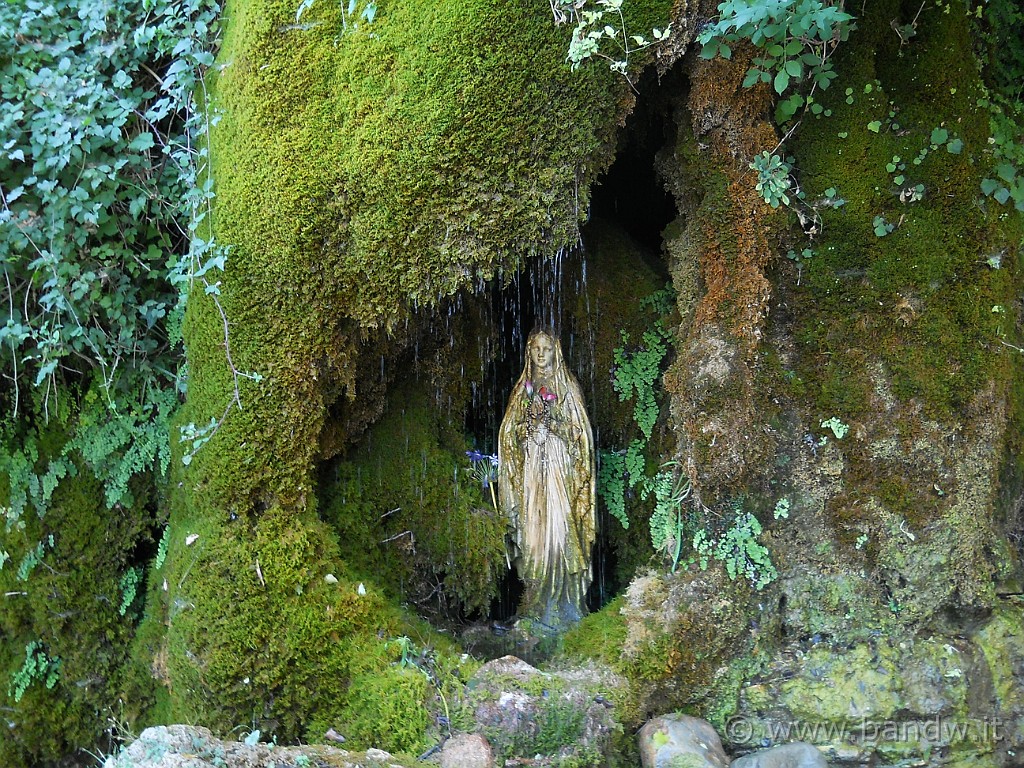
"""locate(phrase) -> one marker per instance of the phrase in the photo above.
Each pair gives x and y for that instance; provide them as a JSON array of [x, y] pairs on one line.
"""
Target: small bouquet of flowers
[[484, 469], [538, 400]]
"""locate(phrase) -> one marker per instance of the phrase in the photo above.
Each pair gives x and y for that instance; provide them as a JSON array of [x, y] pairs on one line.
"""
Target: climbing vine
[[104, 199]]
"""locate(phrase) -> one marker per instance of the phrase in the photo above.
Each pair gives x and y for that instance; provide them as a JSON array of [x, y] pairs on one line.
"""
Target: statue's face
[[542, 352]]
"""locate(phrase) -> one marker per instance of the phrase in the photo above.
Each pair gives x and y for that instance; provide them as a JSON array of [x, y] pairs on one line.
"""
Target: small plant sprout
[[598, 21], [782, 509], [882, 227], [862, 541], [773, 180], [800, 258]]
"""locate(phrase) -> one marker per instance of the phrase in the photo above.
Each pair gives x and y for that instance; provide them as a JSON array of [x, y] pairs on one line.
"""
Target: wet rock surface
[[184, 746], [796, 755]]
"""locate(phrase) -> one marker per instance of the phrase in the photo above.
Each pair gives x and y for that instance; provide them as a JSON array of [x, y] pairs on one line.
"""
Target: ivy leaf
[[1006, 172], [955, 147], [781, 81], [875, 126], [142, 142]]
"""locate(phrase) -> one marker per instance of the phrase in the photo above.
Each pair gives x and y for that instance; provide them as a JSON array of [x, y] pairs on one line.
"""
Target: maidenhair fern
[[620, 470], [37, 666], [738, 550], [129, 588], [635, 376], [668, 521]]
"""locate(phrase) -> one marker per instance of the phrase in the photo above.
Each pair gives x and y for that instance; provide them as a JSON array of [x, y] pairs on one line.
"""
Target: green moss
[[409, 512], [600, 635], [1002, 642], [897, 335], [920, 298], [69, 602], [358, 176], [387, 708]]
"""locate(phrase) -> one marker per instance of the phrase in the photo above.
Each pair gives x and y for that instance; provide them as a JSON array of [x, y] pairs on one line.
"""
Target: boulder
[[467, 750], [543, 717], [680, 741], [799, 754]]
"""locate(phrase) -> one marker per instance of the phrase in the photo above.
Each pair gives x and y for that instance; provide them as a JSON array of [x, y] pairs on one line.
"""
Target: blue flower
[[475, 456]]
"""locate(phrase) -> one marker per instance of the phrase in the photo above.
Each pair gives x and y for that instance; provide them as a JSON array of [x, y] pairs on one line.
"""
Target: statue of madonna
[[546, 484]]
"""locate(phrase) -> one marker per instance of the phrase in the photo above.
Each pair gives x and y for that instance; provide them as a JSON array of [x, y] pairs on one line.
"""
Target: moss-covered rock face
[[895, 534], [670, 636], [940, 699], [410, 513], [898, 335], [361, 174]]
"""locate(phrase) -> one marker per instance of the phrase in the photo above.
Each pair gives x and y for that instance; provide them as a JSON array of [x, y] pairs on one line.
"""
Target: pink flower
[[547, 395], [528, 386]]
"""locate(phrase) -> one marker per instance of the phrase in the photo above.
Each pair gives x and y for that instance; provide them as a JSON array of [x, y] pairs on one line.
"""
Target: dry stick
[[14, 355]]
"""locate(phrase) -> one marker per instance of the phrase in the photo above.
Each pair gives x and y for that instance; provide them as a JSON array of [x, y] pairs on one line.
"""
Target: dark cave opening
[[630, 193]]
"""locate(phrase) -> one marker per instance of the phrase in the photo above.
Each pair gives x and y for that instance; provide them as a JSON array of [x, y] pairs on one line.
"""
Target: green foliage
[[839, 429], [103, 133], [738, 549], [637, 369], [1001, 51], [107, 148], [130, 588], [34, 557], [634, 376], [796, 38], [598, 20], [881, 227], [773, 180], [70, 604], [620, 471], [669, 521], [37, 666], [161, 550]]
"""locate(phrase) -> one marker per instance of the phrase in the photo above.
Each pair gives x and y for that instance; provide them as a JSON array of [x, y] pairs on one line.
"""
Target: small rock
[[377, 754], [796, 755], [681, 740], [467, 750]]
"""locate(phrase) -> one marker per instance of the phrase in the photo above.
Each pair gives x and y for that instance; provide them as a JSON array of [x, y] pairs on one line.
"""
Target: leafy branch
[[603, 20]]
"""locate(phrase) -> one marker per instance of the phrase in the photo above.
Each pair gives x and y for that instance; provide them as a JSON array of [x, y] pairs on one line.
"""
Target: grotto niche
[[415, 500], [546, 484]]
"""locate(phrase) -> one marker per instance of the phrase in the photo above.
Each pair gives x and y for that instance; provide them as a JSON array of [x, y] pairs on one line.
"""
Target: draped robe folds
[[546, 486]]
